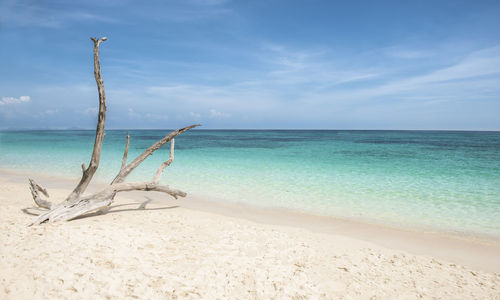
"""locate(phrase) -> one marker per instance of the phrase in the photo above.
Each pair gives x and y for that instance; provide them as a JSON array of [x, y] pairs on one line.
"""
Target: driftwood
[[76, 204]]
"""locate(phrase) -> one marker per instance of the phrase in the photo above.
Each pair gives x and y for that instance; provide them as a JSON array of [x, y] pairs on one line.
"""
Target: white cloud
[[480, 63], [132, 114], [407, 53], [12, 100], [39, 14], [156, 117], [48, 112], [146, 116], [185, 11], [309, 66], [217, 114], [480, 70], [91, 111], [194, 115]]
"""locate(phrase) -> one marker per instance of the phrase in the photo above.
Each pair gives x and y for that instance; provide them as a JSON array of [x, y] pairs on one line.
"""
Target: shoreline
[[203, 201], [150, 247], [406, 181], [480, 252]]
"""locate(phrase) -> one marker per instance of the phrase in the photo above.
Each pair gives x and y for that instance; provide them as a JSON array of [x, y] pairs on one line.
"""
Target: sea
[[443, 181]]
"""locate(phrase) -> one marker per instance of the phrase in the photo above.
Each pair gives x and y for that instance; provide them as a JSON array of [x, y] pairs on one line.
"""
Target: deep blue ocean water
[[445, 181]]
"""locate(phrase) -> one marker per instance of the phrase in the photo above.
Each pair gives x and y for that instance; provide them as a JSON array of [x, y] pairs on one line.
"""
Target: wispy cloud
[[310, 66], [479, 63], [133, 114], [217, 114], [192, 11], [407, 53], [13, 100], [42, 14], [90, 111], [291, 83], [194, 115], [230, 64], [48, 112], [477, 67]]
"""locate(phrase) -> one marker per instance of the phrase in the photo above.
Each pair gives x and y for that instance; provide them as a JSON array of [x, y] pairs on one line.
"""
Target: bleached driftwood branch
[[139, 159], [35, 190], [75, 204], [89, 172], [125, 153]]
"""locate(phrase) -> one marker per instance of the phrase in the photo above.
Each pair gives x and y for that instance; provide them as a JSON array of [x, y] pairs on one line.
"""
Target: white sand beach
[[150, 247]]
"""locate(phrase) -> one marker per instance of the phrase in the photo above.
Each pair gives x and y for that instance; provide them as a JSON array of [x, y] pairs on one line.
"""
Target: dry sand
[[164, 249]]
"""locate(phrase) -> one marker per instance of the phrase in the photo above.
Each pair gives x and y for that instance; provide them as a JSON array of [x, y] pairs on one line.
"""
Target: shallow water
[[448, 181]]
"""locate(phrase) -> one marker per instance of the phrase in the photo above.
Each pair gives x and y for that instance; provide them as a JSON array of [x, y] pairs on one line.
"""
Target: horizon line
[[251, 129]]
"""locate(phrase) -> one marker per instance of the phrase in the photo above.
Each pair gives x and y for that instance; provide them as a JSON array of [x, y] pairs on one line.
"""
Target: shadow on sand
[[36, 211]]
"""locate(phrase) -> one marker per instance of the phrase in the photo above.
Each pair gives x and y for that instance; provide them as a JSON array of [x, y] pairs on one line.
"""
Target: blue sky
[[252, 64]]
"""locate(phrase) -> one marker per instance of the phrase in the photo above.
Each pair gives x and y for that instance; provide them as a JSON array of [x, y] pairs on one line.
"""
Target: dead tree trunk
[[76, 204]]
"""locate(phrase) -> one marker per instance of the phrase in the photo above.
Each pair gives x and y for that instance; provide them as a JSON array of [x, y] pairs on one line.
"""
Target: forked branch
[[75, 204], [124, 172]]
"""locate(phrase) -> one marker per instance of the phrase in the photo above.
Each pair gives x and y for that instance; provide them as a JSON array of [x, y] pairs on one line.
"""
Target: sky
[[271, 64]]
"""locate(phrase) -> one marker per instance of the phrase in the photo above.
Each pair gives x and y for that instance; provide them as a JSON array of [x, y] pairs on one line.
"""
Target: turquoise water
[[448, 181]]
